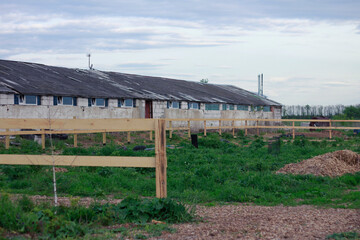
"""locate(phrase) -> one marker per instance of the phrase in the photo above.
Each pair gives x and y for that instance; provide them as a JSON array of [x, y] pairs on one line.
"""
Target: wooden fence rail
[[75, 126], [257, 126]]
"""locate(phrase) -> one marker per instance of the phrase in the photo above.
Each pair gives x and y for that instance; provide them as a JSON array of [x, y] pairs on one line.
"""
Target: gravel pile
[[330, 164]]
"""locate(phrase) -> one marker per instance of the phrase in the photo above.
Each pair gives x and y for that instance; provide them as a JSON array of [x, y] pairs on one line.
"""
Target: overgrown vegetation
[[46, 222]]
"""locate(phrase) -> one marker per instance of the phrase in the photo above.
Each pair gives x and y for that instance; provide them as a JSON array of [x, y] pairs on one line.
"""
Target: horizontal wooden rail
[[91, 161]]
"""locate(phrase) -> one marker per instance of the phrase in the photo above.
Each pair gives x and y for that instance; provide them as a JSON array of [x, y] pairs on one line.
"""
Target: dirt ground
[[259, 222]]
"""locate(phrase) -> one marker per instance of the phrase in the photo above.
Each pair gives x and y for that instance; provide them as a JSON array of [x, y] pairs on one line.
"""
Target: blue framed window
[[98, 102], [212, 106], [243, 107], [231, 106], [27, 99], [126, 102], [224, 107], [175, 104], [193, 105]]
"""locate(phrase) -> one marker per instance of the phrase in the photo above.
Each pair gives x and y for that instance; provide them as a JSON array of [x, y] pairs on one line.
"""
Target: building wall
[[160, 110]]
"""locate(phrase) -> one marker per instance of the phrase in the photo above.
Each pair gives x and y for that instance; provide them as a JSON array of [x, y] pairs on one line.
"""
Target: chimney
[[262, 85]]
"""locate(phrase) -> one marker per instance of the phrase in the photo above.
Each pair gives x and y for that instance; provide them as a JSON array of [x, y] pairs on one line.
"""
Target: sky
[[308, 50]]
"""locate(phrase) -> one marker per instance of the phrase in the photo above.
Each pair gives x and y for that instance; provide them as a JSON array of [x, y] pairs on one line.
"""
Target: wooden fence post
[[151, 137], [233, 125], [43, 139], [330, 132], [75, 137], [160, 156], [204, 128], [7, 140], [293, 131], [104, 138], [189, 132], [257, 127], [220, 127], [170, 132], [245, 128], [128, 137]]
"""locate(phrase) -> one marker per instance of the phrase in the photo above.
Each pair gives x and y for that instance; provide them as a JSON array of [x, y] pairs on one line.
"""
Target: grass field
[[221, 170]]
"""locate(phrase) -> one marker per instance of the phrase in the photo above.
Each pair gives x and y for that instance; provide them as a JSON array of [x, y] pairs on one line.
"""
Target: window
[[259, 108], [126, 102], [212, 106], [231, 107], [99, 102], [266, 109], [224, 107], [171, 104], [243, 107], [193, 105], [69, 101], [27, 99]]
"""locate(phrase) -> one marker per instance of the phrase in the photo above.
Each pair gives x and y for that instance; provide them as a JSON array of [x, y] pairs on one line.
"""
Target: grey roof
[[38, 79]]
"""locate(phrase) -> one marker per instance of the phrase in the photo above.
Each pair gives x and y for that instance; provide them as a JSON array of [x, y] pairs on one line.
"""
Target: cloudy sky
[[308, 50]]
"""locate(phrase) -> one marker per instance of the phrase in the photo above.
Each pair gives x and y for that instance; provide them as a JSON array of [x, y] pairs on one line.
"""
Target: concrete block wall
[[6, 99]]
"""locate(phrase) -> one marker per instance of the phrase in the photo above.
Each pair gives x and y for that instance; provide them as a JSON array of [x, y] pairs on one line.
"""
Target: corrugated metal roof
[[38, 79]]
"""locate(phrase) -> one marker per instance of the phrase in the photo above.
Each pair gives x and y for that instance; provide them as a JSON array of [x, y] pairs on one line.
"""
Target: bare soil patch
[[259, 222], [330, 164]]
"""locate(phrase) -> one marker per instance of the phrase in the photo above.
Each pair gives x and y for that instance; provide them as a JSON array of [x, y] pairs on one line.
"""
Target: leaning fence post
[[7, 140], [330, 132], [160, 156]]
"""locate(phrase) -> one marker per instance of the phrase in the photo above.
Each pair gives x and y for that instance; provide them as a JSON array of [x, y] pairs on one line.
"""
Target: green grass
[[344, 236], [235, 170]]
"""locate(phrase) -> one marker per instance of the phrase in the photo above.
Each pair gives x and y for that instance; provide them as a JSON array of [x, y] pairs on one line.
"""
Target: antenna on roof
[[90, 65]]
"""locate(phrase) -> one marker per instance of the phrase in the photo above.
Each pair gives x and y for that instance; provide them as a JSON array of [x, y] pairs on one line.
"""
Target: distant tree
[[352, 112], [204, 80]]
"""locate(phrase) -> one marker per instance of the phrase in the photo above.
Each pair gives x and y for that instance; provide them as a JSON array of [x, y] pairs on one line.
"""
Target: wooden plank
[[330, 131], [81, 124], [257, 127], [7, 140], [161, 161], [151, 135], [128, 137], [92, 161], [254, 119], [204, 128]]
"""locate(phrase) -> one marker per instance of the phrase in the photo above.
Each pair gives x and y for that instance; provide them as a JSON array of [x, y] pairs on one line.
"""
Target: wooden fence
[[256, 124], [76, 126]]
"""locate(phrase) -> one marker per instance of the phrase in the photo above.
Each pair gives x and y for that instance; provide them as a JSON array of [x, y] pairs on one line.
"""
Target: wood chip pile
[[330, 164]]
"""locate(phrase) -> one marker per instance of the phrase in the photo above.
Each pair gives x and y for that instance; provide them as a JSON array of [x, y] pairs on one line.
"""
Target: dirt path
[[258, 222]]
